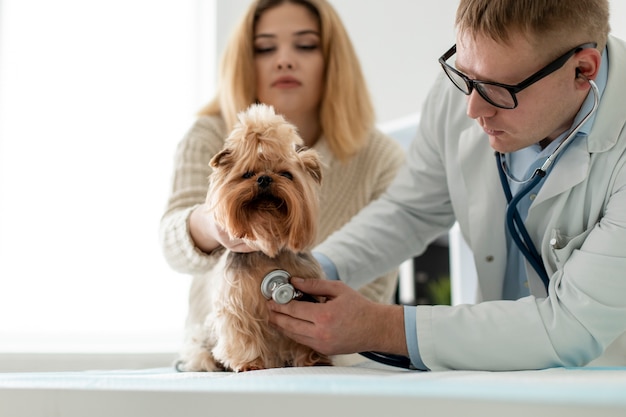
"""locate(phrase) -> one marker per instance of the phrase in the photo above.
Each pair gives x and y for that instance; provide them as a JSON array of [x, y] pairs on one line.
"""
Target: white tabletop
[[365, 389]]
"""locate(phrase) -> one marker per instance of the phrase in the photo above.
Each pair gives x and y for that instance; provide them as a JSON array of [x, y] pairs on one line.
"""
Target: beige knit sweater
[[346, 188]]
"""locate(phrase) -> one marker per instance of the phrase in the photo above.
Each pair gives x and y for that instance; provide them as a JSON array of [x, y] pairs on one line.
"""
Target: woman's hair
[[557, 24], [346, 109]]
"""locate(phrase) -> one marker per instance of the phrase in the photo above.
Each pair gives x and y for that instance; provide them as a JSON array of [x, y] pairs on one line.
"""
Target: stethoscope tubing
[[514, 222], [398, 361]]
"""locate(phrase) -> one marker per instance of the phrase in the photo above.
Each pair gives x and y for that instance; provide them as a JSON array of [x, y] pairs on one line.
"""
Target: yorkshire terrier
[[263, 190]]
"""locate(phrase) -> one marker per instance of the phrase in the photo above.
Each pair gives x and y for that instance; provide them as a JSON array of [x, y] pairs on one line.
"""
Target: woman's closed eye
[[260, 50], [264, 49], [307, 47]]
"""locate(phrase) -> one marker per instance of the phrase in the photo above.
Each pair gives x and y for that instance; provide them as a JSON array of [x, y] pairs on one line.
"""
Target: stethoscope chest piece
[[276, 286]]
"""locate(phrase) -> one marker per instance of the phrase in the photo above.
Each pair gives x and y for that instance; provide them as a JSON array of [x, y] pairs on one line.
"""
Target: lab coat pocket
[[562, 246]]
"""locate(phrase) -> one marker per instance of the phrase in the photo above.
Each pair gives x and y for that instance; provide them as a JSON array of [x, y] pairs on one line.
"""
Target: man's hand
[[346, 323]]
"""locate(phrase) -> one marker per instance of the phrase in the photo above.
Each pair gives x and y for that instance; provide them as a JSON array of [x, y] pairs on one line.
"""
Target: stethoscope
[[514, 222], [276, 286]]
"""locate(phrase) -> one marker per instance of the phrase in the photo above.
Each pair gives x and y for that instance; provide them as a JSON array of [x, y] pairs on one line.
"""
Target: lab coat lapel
[[569, 170], [486, 206]]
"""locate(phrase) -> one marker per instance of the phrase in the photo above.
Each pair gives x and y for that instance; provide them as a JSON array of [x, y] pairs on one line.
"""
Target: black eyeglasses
[[503, 95]]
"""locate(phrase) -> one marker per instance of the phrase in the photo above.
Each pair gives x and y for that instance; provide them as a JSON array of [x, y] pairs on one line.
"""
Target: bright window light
[[94, 97]]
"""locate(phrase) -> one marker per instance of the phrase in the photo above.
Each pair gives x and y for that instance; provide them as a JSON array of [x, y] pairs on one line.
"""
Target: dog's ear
[[311, 163], [220, 158]]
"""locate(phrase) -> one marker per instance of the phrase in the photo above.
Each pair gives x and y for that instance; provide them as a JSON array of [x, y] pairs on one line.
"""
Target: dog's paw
[[324, 361], [255, 365], [199, 363]]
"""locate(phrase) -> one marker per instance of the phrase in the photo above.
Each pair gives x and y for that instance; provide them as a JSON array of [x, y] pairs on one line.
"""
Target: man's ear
[[587, 65]]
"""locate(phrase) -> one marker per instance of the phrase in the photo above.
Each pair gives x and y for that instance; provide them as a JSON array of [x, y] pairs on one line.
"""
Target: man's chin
[[499, 145]]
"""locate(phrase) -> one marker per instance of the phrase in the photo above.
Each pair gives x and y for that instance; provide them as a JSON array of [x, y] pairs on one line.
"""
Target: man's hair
[[346, 109], [549, 24]]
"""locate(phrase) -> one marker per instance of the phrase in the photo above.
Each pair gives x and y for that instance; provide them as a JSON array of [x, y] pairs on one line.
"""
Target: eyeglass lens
[[494, 94]]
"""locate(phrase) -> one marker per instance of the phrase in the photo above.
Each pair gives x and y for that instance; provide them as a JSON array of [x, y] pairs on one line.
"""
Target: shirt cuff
[[327, 265], [410, 331]]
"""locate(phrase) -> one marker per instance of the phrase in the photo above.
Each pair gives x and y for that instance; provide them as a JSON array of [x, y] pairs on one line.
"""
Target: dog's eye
[[287, 175], [248, 174]]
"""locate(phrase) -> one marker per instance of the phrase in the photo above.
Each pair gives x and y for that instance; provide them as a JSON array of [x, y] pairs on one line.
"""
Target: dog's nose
[[264, 181]]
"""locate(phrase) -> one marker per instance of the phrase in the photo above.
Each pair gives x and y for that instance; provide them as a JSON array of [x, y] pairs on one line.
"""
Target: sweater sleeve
[[349, 187], [189, 188]]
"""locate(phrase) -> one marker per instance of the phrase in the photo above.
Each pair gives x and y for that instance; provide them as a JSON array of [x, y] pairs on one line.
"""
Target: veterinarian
[[296, 56], [522, 80]]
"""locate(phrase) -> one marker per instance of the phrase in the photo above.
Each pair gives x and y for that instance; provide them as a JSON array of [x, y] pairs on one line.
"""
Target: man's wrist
[[390, 329]]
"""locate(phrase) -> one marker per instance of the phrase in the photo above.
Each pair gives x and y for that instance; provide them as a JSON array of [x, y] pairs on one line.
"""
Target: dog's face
[[264, 186]]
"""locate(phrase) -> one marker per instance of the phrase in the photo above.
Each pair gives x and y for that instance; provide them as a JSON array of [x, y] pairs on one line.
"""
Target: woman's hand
[[346, 323], [208, 235]]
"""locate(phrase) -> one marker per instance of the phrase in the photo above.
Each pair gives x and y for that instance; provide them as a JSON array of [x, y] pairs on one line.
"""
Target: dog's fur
[[264, 190]]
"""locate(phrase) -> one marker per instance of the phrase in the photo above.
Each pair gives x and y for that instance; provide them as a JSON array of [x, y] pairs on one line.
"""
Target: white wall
[[618, 18], [94, 96]]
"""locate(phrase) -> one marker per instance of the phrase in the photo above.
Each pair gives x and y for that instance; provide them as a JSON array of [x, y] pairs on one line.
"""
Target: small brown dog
[[264, 190]]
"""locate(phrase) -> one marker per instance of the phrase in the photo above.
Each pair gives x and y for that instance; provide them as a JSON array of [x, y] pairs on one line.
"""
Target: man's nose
[[478, 106]]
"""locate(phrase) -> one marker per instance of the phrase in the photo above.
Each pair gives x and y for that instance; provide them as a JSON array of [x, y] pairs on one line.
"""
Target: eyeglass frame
[[512, 89]]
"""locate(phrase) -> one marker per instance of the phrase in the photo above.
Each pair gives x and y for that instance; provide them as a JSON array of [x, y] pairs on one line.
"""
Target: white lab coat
[[451, 175]]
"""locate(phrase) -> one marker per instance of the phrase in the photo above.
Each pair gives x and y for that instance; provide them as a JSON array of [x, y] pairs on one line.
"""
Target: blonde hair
[[552, 23], [346, 109]]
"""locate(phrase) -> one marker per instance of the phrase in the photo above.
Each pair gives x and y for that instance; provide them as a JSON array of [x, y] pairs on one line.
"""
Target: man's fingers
[[286, 318], [296, 310], [321, 287]]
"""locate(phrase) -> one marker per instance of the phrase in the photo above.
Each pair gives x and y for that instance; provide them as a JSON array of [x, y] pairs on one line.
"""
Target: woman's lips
[[286, 82]]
